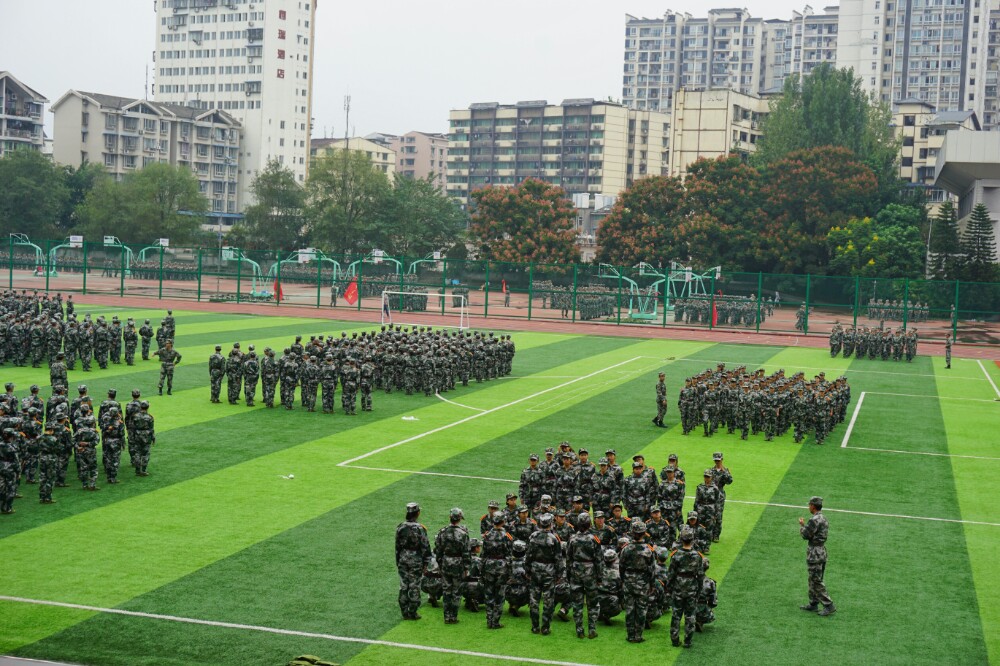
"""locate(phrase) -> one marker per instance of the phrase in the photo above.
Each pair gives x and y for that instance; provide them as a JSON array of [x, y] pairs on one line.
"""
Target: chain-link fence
[[807, 304]]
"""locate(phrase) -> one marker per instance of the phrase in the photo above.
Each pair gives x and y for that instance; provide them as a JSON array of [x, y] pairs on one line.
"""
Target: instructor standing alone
[[815, 531]]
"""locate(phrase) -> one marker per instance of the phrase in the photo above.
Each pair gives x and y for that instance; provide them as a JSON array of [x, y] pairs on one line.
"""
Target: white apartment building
[[382, 157], [581, 145], [421, 154], [21, 116], [250, 58], [127, 134], [713, 123]]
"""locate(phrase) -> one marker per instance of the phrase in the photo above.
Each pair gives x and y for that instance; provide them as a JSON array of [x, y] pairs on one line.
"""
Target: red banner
[[351, 293], [277, 291]]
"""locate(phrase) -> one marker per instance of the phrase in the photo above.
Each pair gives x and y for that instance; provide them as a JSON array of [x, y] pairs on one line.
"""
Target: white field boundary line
[[287, 632], [854, 419], [845, 370], [484, 413], [992, 383], [728, 500], [457, 404]]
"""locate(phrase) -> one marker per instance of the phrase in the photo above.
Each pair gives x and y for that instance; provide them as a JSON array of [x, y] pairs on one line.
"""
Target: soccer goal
[[453, 309]]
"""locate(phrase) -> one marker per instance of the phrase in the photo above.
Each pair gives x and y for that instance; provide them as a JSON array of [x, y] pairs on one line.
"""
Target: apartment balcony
[[576, 128], [22, 135]]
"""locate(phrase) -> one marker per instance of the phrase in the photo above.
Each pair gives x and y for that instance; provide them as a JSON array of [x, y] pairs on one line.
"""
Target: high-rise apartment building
[[726, 49], [126, 134], [421, 154], [22, 116], [250, 58], [713, 123], [582, 145]]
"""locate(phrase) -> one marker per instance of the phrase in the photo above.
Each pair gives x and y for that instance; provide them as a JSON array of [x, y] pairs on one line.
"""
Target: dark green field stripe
[[337, 571], [242, 434], [893, 579]]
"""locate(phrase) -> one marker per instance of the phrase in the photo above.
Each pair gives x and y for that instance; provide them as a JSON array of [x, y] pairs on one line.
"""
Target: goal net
[[452, 309]]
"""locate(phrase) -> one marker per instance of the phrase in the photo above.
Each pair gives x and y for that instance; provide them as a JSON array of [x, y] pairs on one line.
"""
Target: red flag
[[351, 293], [277, 290], [715, 315]]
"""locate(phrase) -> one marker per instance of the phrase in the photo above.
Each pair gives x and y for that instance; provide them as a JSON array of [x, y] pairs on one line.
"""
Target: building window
[[282, 14], [281, 54], [281, 34], [907, 161], [907, 140], [281, 73], [909, 121]]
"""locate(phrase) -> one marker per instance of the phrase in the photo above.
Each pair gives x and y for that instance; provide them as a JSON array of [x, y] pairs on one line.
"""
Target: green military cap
[[577, 498], [717, 456], [598, 514], [494, 504], [456, 513], [687, 535], [582, 451], [602, 461], [498, 519], [549, 450], [412, 507], [654, 509], [545, 520], [522, 509], [708, 472], [511, 496], [610, 452], [670, 469], [533, 456], [638, 527], [692, 514], [636, 465], [816, 501]]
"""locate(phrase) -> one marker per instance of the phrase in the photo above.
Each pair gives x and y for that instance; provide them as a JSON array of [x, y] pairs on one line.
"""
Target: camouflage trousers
[[409, 587], [111, 455], [267, 390], [494, 586], [309, 396], [329, 396], [62, 466], [686, 605], [288, 394], [608, 606], [348, 399], [250, 390], [166, 373], [101, 356], [817, 588], [366, 398], [37, 355], [583, 589], [216, 387], [636, 600], [707, 519], [451, 588], [145, 349], [115, 353], [86, 466], [717, 526], [47, 466], [542, 590], [70, 359], [8, 486], [233, 387], [129, 354], [29, 466], [140, 454], [661, 411], [86, 356]]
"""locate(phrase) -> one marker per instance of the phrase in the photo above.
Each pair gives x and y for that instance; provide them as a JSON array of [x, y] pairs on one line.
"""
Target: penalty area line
[[484, 413], [288, 632]]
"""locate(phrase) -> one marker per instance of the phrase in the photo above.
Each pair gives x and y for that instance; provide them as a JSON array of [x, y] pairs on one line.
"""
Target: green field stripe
[[334, 551], [191, 428], [965, 424], [235, 508], [874, 561]]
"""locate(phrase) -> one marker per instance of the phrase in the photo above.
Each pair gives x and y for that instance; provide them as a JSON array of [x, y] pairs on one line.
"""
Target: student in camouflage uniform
[[162, 335], [708, 599], [112, 442], [234, 374], [636, 493], [85, 345], [145, 437], [268, 377], [216, 371], [815, 532], [413, 555], [289, 373], [721, 477], [947, 352], [58, 376], [585, 567], [328, 380], [637, 570], [251, 375], [497, 551], [9, 464], [86, 455], [451, 549], [517, 584], [685, 579], [49, 448], [671, 498], [531, 482], [366, 382], [131, 338], [661, 401], [349, 379], [168, 359], [146, 333], [605, 493], [310, 377], [706, 502], [544, 562], [115, 341], [102, 343], [62, 433]]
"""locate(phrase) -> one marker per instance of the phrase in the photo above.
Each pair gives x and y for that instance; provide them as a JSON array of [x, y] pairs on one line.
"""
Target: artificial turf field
[[216, 533]]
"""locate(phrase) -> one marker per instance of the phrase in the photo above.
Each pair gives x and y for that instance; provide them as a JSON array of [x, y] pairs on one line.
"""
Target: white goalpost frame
[[463, 309]]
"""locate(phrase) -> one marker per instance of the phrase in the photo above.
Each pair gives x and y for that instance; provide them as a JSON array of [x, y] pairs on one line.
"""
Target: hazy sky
[[404, 63]]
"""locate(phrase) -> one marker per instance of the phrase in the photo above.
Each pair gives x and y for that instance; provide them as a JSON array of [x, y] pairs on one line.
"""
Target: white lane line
[[924, 453], [488, 411], [869, 513], [992, 383], [931, 397], [827, 369], [451, 402], [559, 400], [288, 632], [854, 418], [734, 501]]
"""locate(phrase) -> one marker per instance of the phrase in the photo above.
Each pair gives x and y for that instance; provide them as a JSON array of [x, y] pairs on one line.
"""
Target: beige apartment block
[[922, 130], [581, 145], [712, 123], [22, 118], [126, 134], [421, 154], [382, 157]]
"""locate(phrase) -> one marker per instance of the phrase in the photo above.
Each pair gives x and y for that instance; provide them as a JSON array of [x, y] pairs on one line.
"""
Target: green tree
[[890, 245], [640, 226], [533, 222], [79, 183], [830, 108], [979, 247], [276, 221], [33, 194], [158, 201], [945, 246], [418, 218], [345, 196]]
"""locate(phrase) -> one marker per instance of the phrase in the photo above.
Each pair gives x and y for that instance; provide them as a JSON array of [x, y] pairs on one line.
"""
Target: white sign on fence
[[228, 253], [76, 241], [163, 242], [377, 256], [110, 240], [306, 255]]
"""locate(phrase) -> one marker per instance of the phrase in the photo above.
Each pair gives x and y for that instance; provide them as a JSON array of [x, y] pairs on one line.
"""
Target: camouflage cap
[[494, 504], [546, 497], [498, 519], [520, 547], [522, 509], [636, 465], [662, 554], [545, 520], [577, 498], [610, 452], [548, 451], [816, 501], [474, 543], [672, 456], [412, 507], [602, 461], [692, 514], [533, 456], [670, 469], [610, 555], [598, 514], [654, 509], [583, 520], [9, 386], [583, 451], [687, 535], [638, 456], [456, 513], [708, 473], [511, 496], [638, 527], [717, 455]]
